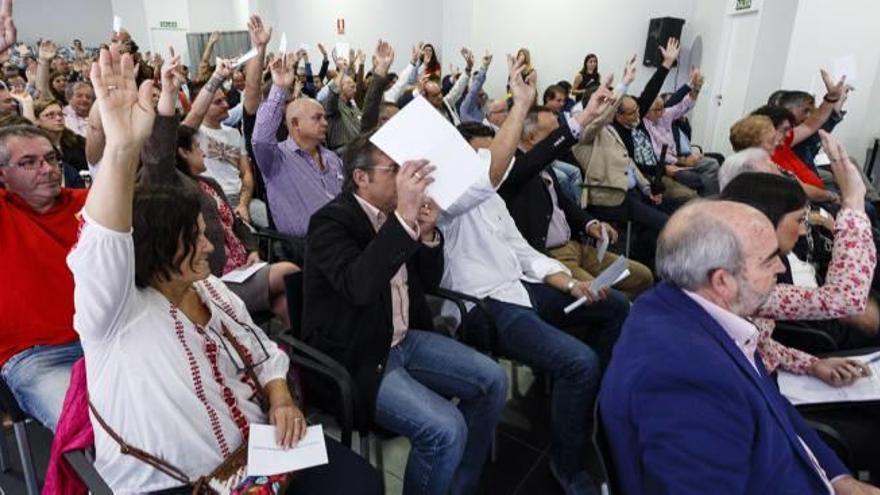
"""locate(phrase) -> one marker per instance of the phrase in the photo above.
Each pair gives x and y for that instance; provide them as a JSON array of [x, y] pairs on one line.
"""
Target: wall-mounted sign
[[168, 24], [743, 6]]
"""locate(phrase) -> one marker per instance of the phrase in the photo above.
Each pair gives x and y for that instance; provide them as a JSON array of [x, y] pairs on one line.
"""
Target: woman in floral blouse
[[845, 292]]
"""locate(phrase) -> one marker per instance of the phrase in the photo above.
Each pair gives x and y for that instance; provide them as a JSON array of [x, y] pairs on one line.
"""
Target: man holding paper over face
[[372, 254], [526, 291]]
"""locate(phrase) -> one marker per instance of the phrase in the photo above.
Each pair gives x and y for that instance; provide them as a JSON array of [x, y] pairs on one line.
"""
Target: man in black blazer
[[551, 222], [372, 253]]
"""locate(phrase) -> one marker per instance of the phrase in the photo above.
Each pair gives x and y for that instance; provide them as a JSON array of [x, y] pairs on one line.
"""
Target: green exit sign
[[168, 24]]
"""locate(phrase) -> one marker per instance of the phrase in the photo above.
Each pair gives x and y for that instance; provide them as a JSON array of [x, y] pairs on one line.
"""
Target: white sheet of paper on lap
[[805, 389], [266, 458], [845, 66], [239, 275], [418, 132]]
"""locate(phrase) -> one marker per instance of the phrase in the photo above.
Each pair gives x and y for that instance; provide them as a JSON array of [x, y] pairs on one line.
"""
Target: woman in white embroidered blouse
[[166, 344]]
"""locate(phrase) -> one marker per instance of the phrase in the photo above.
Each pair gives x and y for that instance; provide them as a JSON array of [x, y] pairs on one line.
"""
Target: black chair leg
[[4, 456], [27, 460]]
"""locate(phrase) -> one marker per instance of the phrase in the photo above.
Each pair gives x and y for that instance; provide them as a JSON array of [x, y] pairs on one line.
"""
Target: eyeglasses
[[36, 162], [236, 357], [391, 168]]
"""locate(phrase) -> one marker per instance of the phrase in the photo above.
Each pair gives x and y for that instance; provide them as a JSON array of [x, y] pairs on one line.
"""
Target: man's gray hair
[[21, 130], [530, 124], [747, 160], [689, 253], [71, 88]]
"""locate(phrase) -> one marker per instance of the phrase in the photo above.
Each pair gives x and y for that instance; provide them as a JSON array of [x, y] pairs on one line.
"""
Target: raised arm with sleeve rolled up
[[470, 106], [461, 83], [383, 58], [655, 84], [253, 74], [8, 31], [45, 53], [834, 92], [270, 115]]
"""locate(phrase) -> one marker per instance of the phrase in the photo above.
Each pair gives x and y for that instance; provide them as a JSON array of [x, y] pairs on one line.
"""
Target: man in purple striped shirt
[[301, 175]]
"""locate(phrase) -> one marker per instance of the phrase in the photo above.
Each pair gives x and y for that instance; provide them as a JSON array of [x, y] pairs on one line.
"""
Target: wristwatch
[[570, 285]]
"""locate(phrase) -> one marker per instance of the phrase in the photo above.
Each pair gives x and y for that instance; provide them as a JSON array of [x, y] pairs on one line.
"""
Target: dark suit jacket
[[686, 413], [347, 278], [528, 199]]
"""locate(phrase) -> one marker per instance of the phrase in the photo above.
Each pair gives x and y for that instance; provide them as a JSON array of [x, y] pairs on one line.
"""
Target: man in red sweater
[[38, 227]]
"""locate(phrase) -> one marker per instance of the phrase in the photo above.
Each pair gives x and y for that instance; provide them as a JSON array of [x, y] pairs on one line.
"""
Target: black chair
[[82, 463], [804, 338], [603, 448], [19, 425]]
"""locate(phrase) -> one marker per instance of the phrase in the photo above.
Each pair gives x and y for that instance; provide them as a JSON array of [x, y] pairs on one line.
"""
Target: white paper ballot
[[244, 58], [845, 66], [266, 458], [239, 275], [805, 389], [419, 131], [602, 246], [282, 46], [342, 49], [580, 302], [117, 23]]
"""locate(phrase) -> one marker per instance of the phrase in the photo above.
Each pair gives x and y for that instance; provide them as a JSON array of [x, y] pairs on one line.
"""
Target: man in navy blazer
[[686, 403]]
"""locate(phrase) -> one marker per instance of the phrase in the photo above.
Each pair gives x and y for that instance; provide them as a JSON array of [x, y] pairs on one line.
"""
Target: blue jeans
[[449, 444], [569, 178], [39, 376], [533, 336]]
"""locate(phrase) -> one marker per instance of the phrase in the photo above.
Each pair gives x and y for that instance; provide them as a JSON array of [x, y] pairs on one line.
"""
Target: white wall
[[401, 22], [63, 20], [825, 30]]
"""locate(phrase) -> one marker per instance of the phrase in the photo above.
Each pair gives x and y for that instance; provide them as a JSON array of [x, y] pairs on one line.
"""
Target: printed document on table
[[418, 132], [804, 389], [239, 275], [266, 458]]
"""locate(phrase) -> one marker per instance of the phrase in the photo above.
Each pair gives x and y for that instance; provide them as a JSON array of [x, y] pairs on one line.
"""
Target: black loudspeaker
[[659, 32]]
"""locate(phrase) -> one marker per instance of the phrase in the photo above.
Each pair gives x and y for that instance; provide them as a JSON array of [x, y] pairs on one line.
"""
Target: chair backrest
[[8, 403], [600, 442]]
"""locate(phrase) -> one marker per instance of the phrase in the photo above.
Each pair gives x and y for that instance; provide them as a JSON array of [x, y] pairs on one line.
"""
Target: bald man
[[687, 405], [301, 175]]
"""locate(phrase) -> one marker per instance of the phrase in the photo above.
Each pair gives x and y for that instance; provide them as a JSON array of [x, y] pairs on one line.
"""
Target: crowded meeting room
[[439, 247]]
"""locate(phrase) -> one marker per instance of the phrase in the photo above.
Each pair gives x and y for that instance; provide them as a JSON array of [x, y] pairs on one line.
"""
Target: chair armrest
[[459, 298], [270, 237], [836, 441], [85, 470], [804, 338], [315, 361]]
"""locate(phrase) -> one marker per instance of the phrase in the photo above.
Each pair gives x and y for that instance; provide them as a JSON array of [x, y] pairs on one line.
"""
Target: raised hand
[[259, 34], [126, 112], [487, 60], [670, 52], [522, 90], [8, 31], [629, 71], [833, 91], [214, 38], [322, 50], [600, 100], [846, 176], [283, 71], [383, 58], [468, 58], [172, 72], [696, 79], [47, 50], [223, 69]]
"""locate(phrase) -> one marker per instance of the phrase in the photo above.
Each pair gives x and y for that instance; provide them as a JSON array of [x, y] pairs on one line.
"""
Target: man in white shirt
[[525, 292]]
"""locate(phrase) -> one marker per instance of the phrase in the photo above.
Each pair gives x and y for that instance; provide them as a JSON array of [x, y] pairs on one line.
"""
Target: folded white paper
[[805, 389], [243, 58], [342, 49], [602, 246], [606, 279], [266, 458], [418, 132], [239, 275], [282, 46], [117, 23]]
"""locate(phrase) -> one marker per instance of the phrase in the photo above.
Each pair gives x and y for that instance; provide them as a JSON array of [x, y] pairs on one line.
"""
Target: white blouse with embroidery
[[164, 384]]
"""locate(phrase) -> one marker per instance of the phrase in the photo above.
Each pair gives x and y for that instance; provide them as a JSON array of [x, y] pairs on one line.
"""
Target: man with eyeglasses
[[38, 227]]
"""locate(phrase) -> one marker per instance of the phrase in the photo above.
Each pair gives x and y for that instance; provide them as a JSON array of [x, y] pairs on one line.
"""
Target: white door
[[728, 91]]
